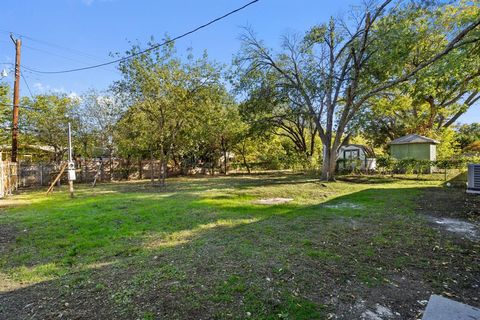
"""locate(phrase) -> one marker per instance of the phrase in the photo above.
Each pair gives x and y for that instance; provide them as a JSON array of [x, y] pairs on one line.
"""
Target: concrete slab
[[440, 308]]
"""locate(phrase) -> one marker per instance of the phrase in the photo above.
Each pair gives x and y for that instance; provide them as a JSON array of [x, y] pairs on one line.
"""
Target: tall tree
[[331, 70], [100, 111], [170, 94], [276, 109], [45, 120], [434, 98], [467, 135]]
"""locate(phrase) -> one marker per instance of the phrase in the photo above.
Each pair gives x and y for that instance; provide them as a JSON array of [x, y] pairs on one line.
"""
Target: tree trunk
[[329, 164], [111, 164], [84, 170], [127, 170], [212, 168], [140, 169], [246, 164], [152, 177], [225, 161], [163, 161], [161, 178]]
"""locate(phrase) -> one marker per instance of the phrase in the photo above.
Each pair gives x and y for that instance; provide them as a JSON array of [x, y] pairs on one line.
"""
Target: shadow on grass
[[101, 236], [106, 226]]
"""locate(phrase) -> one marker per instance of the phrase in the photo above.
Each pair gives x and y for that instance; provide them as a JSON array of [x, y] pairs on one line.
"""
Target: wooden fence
[[8, 178], [36, 174], [33, 174]]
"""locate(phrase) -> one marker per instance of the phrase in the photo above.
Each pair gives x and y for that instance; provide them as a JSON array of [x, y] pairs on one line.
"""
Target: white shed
[[353, 155]]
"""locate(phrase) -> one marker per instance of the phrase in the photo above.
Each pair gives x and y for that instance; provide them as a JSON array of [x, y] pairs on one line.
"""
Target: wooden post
[[50, 189], [99, 166], [16, 98], [40, 167], [70, 188]]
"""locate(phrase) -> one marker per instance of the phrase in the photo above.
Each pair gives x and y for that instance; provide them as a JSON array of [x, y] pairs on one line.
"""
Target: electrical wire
[[148, 49], [64, 57], [75, 51], [26, 83]]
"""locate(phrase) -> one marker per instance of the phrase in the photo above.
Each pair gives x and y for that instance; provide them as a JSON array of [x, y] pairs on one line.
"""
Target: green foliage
[[434, 98], [409, 166], [467, 134], [98, 115], [448, 146], [385, 163], [45, 121], [5, 113], [349, 165], [178, 110]]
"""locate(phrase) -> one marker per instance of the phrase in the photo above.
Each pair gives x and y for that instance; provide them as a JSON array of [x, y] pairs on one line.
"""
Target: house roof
[[413, 138]]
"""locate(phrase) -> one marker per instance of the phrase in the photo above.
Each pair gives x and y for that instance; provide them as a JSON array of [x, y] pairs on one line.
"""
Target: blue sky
[[75, 33]]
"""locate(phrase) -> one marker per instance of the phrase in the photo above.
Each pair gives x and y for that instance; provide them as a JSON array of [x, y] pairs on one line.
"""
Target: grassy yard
[[204, 249]]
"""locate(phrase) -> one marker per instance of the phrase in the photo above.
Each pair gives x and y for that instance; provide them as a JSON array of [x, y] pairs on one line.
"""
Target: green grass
[[206, 236]]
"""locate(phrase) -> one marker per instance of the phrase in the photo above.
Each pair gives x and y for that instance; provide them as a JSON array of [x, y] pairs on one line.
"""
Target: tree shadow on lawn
[[100, 228], [179, 256], [220, 182]]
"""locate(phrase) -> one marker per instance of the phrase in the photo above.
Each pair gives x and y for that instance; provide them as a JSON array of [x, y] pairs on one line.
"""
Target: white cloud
[[45, 88], [40, 87]]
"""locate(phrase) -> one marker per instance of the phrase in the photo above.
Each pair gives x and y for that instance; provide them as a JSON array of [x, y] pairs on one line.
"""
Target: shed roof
[[368, 151], [413, 138]]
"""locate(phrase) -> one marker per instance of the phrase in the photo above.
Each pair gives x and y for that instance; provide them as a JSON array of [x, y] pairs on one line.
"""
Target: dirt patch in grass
[[271, 201], [450, 202], [452, 210], [7, 236], [462, 228], [344, 205]]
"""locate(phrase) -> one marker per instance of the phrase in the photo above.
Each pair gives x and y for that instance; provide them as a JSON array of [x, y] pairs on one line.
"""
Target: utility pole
[[71, 164], [16, 98]]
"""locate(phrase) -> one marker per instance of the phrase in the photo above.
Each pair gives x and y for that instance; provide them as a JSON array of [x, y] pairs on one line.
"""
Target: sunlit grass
[[214, 222], [57, 234]]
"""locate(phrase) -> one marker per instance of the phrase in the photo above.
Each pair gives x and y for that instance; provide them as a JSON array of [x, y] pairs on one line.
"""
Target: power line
[[26, 83], [75, 51], [23, 107], [150, 48], [64, 57]]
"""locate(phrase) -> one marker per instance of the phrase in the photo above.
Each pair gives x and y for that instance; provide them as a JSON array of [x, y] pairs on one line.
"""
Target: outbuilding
[[356, 156], [414, 146]]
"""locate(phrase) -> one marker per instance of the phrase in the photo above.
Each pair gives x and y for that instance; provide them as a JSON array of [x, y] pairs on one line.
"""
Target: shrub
[[385, 163]]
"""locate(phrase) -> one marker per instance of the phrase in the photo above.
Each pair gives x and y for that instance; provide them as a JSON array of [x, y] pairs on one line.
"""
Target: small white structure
[[356, 156]]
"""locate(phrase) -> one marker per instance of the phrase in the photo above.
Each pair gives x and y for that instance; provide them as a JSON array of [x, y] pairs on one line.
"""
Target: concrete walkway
[[440, 308]]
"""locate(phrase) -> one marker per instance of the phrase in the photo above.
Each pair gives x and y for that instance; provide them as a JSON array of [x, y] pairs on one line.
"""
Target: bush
[[349, 165], [385, 163], [405, 165]]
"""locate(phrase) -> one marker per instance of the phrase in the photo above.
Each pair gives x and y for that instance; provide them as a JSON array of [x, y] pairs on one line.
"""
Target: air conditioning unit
[[473, 184]]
